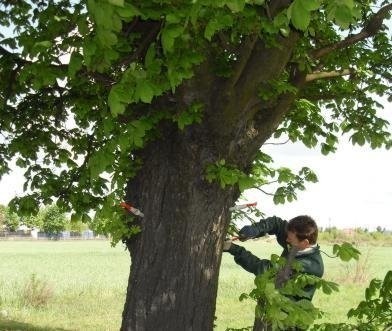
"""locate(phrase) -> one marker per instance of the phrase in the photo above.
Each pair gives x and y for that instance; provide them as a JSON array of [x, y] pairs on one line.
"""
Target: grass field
[[88, 281]]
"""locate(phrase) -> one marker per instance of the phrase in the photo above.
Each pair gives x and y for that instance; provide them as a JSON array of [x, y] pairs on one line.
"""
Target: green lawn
[[89, 279]]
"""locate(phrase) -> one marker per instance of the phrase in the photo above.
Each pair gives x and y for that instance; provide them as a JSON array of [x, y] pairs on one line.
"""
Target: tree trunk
[[176, 258]]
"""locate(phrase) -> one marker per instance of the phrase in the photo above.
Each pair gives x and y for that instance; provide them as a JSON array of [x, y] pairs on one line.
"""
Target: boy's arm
[[271, 225], [249, 261]]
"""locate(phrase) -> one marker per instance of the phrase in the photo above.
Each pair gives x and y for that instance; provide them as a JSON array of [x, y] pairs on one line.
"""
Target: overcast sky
[[354, 187]]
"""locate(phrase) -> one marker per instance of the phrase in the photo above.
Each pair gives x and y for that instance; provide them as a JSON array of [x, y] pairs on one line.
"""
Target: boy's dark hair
[[304, 227]]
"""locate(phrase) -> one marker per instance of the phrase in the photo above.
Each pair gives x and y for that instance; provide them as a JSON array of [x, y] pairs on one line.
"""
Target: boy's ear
[[305, 243]]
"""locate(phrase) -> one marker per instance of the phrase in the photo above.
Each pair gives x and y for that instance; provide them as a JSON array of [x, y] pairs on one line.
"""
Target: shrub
[[356, 272], [36, 293]]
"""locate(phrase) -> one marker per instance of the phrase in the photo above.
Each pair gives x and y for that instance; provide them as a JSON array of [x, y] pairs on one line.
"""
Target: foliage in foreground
[[278, 307], [373, 313]]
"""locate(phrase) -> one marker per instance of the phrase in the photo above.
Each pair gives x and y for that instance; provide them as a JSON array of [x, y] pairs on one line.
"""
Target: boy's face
[[295, 242]]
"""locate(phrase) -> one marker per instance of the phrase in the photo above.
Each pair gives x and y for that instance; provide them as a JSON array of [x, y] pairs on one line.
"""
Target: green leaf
[[279, 196], [75, 64], [119, 3], [358, 138], [346, 252], [236, 5], [216, 24], [299, 15], [137, 132], [243, 296], [285, 175], [310, 5], [43, 44], [184, 119], [150, 56], [173, 18], [97, 164], [128, 11], [117, 107], [343, 16], [300, 18], [245, 183], [144, 91], [106, 37], [191, 115], [169, 34]]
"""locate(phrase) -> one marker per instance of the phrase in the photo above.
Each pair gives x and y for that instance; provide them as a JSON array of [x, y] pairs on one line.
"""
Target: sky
[[354, 187]]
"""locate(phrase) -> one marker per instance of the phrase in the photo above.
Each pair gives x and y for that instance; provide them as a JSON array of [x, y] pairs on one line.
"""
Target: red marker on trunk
[[246, 205], [131, 209]]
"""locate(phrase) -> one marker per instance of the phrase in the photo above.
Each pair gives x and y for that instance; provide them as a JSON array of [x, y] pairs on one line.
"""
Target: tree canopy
[[78, 78]]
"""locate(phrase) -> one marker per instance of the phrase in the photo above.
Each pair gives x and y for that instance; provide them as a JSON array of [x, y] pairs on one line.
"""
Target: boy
[[298, 236]]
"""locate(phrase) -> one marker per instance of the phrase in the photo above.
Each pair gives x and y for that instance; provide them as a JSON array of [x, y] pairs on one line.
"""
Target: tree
[[8, 219], [33, 221], [53, 220], [2, 217], [78, 226], [173, 100]]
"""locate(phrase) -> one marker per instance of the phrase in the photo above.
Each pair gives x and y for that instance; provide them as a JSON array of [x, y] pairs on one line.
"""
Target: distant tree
[[77, 226], [379, 229], [12, 220], [32, 221], [53, 220], [8, 219], [2, 216]]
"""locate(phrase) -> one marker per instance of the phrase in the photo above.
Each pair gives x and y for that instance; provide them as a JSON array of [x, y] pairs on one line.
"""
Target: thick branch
[[15, 56], [373, 26], [328, 74], [246, 52], [151, 34]]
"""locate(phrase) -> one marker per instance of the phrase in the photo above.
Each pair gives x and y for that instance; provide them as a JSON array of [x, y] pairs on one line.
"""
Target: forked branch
[[373, 26]]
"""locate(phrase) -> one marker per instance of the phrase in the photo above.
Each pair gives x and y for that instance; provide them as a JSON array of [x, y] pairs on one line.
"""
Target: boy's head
[[302, 232]]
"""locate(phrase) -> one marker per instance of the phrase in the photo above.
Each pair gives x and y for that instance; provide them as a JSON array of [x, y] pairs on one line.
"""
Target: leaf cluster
[[373, 313]]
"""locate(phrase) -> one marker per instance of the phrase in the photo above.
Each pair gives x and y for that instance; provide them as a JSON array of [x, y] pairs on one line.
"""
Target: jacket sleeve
[[248, 261], [271, 225]]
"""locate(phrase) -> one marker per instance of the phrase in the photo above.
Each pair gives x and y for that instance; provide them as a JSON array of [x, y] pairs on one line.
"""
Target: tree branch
[[282, 143], [247, 49], [15, 56], [266, 193], [328, 74], [373, 26], [152, 33]]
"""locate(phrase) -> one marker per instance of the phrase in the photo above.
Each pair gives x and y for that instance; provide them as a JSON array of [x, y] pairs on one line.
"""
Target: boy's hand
[[227, 245]]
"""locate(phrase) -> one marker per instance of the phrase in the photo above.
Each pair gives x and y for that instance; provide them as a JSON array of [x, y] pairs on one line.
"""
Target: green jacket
[[310, 260]]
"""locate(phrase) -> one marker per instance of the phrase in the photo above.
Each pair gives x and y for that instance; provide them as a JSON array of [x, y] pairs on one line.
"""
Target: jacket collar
[[308, 250]]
